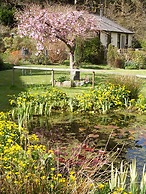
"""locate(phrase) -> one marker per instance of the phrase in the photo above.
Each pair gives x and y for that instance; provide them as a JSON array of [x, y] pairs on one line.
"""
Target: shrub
[[8, 41], [1, 45], [14, 47], [131, 65], [57, 52], [14, 57], [7, 16], [23, 42], [114, 59], [143, 43], [119, 62], [1, 64], [135, 59], [4, 65], [61, 79], [39, 58], [90, 50], [140, 59]]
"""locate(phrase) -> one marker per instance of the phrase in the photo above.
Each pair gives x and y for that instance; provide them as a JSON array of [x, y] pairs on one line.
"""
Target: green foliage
[[114, 59], [17, 43], [39, 58], [143, 44], [131, 65], [111, 55], [104, 98], [27, 105], [135, 59], [136, 43], [61, 79], [1, 64], [7, 16], [1, 45], [8, 41], [90, 50], [120, 183], [131, 83], [23, 42]]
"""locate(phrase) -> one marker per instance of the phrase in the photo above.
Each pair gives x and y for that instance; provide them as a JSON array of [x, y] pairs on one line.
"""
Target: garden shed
[[112, 33]]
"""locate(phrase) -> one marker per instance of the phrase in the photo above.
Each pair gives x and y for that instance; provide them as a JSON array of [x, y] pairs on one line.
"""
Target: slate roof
[[106, 24]]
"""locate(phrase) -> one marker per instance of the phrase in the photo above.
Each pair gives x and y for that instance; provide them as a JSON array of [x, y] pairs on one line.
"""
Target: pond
[[138, 151], [124, 134]]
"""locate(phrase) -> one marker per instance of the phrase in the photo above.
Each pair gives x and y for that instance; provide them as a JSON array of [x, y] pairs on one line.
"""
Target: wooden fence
[[24, 68]]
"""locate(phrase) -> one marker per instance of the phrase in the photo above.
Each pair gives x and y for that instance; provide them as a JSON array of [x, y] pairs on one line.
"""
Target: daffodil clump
[[103, 99], [25, 165]]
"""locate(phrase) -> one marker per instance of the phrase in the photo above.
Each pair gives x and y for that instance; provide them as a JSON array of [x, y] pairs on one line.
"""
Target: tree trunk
[[74, 75], [71, 60]]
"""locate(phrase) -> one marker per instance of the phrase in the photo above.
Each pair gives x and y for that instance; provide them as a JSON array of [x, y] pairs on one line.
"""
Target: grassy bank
[[30, 78]]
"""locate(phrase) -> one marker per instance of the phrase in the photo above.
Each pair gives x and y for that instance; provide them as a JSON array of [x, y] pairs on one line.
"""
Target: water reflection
[[139, 150], [116, 131]]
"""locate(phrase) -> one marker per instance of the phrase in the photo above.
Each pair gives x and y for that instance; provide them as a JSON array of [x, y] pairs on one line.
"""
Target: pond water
[[123, 132], [138, 151]]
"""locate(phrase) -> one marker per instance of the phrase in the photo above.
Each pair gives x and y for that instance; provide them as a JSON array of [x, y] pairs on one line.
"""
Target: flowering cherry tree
[[46, 25]]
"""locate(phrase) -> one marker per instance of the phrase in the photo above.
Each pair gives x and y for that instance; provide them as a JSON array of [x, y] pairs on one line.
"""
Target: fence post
[[93, 79], [52, 78], [13, 76]]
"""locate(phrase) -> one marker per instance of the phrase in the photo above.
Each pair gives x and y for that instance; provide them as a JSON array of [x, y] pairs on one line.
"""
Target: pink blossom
[[42, 25]]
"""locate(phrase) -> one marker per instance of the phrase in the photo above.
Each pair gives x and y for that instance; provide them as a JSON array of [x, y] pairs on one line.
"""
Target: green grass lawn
[[25, 79]]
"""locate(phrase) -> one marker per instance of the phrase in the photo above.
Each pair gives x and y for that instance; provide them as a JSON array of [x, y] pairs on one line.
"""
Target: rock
[[66, 84]]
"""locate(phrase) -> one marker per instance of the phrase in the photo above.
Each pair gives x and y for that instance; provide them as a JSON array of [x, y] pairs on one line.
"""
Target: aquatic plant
[[26, 104], [119, 181]]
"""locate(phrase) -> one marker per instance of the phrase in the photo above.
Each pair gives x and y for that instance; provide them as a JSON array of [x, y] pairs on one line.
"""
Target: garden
[[71, 140], [58, 139]]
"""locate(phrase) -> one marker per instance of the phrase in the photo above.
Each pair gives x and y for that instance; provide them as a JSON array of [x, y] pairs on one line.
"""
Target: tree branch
[[60, 37]]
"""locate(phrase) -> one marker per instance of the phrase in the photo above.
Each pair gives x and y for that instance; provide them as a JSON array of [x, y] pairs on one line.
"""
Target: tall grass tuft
[[143, 182], [118, 178], [126, 179], [133, 177], [131, 83]]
